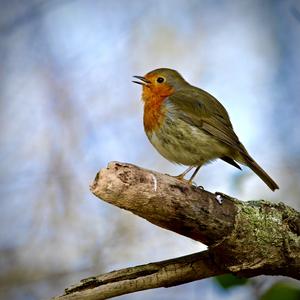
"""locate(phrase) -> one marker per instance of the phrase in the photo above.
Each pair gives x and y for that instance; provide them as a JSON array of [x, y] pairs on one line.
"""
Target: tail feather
[[250, 162], [230, 161]]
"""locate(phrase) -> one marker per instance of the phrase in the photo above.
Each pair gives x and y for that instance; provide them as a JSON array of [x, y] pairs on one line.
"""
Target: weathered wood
[[245, 238], [159, 274], [166, 201]]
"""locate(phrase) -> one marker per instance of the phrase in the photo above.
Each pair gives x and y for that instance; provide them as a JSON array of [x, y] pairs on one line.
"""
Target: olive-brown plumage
[[189, 126]]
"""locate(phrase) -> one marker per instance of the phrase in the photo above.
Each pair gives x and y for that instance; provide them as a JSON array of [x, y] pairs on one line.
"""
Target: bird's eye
[[160, 79]]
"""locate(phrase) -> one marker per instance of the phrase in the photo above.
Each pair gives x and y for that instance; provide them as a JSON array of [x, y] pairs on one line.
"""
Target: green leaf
[[228, 281], [281, 290]]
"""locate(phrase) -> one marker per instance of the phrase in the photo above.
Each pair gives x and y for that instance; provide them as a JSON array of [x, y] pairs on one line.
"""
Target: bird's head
[[161, 82]]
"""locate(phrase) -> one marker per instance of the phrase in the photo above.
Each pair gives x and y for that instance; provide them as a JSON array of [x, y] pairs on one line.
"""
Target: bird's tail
[[250, 162]]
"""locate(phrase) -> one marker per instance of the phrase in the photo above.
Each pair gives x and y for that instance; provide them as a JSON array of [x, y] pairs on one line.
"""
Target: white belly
[[185, 144]]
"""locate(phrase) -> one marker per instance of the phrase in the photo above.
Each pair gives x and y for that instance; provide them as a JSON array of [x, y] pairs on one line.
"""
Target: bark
[[159, 274], [245, 238]]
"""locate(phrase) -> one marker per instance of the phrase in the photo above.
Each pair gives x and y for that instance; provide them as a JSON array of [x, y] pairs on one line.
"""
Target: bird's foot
[[190, 181], [185, 181], [181, 178]]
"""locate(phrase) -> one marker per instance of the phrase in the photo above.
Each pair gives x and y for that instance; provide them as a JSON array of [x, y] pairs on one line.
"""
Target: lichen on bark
[[261, 234]]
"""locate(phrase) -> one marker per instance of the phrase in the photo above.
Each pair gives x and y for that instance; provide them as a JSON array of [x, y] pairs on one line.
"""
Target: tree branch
[[160, 274], [246, 238], [165, 201]]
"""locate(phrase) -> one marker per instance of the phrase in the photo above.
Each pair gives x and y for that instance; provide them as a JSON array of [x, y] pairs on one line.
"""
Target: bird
[[189, 126]]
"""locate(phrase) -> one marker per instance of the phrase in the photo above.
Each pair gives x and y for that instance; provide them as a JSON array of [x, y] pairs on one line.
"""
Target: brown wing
[[201, 109]]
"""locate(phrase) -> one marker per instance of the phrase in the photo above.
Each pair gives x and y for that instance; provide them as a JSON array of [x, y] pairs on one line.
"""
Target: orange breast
[[154, 109]]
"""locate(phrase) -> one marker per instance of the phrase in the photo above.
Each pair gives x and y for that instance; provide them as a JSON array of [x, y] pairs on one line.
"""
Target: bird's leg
[[194, 174], [190, 181], [181, 176]]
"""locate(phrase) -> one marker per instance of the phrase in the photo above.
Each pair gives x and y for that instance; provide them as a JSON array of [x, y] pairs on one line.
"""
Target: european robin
[[189, 126]]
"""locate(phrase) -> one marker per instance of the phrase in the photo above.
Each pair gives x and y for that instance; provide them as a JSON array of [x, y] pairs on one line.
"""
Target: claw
[[181, 178]]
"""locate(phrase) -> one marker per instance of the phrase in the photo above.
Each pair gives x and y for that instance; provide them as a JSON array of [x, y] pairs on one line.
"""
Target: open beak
[[144, 81]]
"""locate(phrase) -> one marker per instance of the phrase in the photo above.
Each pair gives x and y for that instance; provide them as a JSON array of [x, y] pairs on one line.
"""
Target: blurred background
[[68, 107]]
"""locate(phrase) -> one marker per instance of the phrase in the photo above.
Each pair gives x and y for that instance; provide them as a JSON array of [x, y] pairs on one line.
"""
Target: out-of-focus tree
[[67, 107]]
